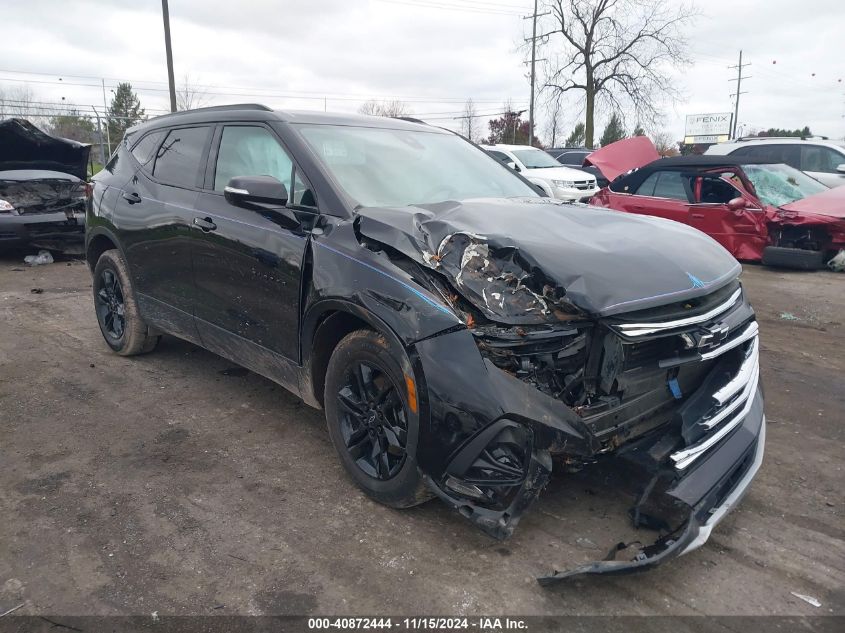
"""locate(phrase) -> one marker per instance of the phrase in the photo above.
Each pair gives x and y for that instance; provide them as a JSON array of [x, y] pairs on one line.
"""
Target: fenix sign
[[716, 124]]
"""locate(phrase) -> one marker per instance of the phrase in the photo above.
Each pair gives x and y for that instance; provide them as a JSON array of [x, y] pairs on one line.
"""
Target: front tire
[[370, 423], [117, 311], [797, 258]]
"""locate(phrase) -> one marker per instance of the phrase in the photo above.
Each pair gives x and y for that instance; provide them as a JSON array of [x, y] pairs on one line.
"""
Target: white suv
[[822, 159], [541, 169]]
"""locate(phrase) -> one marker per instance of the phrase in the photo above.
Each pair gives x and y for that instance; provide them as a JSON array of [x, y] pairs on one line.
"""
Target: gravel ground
[[161, 483]]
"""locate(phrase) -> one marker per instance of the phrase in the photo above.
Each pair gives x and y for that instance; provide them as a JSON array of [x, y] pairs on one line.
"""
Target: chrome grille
[[732, 402]]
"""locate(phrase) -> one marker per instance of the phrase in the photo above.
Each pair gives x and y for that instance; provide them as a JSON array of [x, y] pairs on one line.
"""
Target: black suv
[[459, 330]]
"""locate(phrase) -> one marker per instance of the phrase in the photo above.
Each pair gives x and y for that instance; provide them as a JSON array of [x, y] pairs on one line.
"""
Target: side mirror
[[513, 165], [737, 204], [841, 168], [253, 191]]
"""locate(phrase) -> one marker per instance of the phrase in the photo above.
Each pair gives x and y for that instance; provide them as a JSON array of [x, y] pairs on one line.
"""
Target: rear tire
[[800, 259], [117, 311], [370, 423]]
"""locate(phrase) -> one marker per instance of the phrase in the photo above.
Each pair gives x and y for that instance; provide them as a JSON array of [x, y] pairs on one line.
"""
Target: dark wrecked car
[[462, 333], [771, 213], [43, 192]]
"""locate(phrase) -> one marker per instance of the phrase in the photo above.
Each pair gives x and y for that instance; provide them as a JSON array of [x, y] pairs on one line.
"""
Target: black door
[[248, 264], [154, 217]]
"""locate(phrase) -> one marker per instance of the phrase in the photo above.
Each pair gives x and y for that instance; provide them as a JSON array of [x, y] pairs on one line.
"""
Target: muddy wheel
[[798, 258], [370, 423], [117, 312]]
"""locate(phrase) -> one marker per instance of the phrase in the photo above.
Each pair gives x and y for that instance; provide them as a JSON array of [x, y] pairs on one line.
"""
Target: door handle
[[206, 224], [697, 216], [132, 197]]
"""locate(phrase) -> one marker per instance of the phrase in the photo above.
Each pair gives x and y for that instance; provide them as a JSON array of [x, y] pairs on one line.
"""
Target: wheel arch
[[97, 242], [324, 326]]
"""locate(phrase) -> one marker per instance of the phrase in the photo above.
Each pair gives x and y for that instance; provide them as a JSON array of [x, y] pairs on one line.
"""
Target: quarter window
[[144, 150], [178, 158]]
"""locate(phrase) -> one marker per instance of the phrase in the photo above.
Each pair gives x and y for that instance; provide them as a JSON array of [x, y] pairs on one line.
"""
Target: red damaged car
[[758, 211]]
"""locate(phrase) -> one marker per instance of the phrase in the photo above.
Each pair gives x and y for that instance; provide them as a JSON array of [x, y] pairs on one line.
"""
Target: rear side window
[[665, 184], [773, 153], [144, 150], [572, 158], [178, 159]]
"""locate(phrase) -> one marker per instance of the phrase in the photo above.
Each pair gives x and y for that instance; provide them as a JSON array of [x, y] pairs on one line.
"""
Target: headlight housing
[[6, 207], [565, 184]]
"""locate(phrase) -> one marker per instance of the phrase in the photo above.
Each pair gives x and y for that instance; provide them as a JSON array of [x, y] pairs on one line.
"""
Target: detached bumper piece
[[501, 472], [703, 517]]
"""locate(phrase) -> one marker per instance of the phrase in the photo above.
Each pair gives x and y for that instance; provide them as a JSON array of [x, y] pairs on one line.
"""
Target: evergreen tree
[[614, 131], [576, 139], [124, 112]]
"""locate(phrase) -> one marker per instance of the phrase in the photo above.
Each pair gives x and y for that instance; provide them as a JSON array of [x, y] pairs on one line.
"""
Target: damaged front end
[[572, 365]]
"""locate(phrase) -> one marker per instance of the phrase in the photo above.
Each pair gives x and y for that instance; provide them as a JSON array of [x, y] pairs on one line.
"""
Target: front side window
[[379, 167], [178, 158], [251, 151], [781, 184], [820, 158]]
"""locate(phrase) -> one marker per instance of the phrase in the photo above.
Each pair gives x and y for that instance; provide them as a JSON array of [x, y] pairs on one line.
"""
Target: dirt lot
[[160, 483]]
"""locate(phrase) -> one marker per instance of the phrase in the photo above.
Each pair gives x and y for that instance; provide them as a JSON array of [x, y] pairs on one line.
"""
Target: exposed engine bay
[[641, 378]]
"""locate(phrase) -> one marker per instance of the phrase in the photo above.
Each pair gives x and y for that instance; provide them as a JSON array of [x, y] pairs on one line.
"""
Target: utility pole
[[166, 16], [533, 17], [739, 91], [106, 114]]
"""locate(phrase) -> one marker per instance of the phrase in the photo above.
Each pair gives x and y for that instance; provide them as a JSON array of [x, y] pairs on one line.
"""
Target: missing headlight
[[551, 359]]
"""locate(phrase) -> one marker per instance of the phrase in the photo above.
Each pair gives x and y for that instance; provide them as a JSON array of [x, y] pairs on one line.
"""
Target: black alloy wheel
[[373, 421], [111, 308]]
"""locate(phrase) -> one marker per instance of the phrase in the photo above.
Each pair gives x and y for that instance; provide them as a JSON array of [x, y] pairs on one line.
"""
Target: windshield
[[781, 184], [535, 158], [380, 167]]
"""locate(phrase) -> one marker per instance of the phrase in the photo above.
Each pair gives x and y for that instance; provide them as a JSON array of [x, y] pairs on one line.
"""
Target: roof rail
[[217, 108], [782, 138]]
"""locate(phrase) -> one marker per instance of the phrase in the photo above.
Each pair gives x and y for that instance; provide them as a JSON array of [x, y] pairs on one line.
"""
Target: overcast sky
[[432, 54]]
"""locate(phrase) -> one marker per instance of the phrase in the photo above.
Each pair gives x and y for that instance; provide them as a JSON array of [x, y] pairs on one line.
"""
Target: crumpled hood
[[830, 203], [535, 260], [24, 146], [623, 156]]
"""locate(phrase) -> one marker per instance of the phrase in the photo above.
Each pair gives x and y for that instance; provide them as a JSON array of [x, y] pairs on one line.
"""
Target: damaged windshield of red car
[[380, 167], [781, 184]]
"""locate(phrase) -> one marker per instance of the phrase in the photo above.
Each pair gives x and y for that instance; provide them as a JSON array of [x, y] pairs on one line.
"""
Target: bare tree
[[617, 54], [468, 124], [664, 144], [190, 96], [21, 102], [554, 125], [386, 108]]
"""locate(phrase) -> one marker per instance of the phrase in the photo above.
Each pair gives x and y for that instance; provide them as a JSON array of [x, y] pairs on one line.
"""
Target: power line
[[467, 8], [287, 95]]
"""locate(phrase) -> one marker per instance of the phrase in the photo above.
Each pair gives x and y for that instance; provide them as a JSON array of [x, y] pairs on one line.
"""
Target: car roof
[[632, 180], [773, 140], [510, 147], [259, 112]]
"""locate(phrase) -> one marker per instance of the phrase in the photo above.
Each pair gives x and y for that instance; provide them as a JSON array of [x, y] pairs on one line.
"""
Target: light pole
[[166, 16]]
